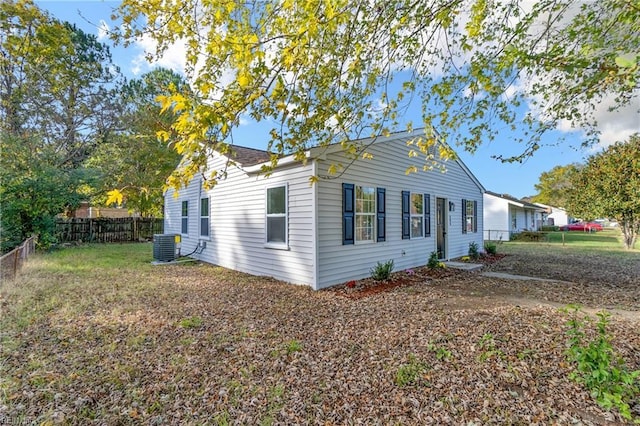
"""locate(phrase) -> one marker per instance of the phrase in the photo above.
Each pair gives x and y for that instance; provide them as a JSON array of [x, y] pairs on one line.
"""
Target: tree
[[609, 186], [57, 82], [56, 106], [555, 186], [34, 190], [134, 167], [326, 71]]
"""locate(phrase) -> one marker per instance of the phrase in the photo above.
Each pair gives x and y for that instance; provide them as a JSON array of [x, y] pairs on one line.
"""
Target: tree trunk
[[630, 230]]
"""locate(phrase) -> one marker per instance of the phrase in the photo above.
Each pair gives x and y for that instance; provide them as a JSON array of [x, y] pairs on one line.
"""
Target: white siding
[[339, 263], [559, 216], [238, 223], [497, 219]]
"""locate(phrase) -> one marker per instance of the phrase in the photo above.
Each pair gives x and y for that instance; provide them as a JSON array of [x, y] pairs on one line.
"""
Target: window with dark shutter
[[427, 215], [348, 222], [469, 216], [475, 216], [464, 216], [406, 215], [381, 214]]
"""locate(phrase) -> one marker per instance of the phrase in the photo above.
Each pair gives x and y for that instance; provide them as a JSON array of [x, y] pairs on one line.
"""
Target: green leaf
[[626, 61]]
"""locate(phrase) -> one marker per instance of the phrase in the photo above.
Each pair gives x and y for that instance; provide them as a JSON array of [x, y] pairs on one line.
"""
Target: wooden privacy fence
[[11, 262], [108, 230]]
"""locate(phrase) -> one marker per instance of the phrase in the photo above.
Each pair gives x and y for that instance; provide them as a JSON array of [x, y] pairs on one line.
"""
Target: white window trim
[[200, 217], [374, 234], [469, 225], [273, 245], [411, 216]]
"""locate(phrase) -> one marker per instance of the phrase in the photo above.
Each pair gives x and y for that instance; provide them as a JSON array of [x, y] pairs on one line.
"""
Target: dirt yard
[[528, 278], [115, 341]]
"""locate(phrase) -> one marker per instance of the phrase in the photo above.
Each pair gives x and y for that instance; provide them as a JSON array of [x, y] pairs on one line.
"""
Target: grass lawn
[[604, 243], [96, 334]]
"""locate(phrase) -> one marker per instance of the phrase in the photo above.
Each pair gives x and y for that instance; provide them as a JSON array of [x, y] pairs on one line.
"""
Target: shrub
[[382, 271], [599, 368], [490, 247], [473, 250], [529, 236], [433, 262], [549, 228]]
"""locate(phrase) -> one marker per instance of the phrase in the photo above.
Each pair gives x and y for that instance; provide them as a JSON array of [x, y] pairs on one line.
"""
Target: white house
[[336, 229], [505, 215], [554, 216]]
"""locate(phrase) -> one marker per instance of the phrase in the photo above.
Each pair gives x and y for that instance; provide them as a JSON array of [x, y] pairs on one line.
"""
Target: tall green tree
[[134, 167], [325, 71], [57, 105], [34, 189], [609, 186], [58, 82], [554, 186]]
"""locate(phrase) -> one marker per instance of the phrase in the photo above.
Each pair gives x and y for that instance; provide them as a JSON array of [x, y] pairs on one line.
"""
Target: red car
[[582, 226]]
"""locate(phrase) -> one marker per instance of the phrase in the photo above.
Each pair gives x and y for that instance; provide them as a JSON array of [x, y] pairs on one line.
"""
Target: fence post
[[16, 262], [134, 228]]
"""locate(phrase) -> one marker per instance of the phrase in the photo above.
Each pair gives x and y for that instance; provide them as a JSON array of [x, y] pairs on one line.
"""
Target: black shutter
[[475, 216], [464, 216], [348, 213], [406, 216], [427, 215], [381, 214]]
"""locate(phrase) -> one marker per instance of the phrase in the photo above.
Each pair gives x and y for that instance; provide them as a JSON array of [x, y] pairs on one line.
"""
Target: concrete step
[[466, 266]]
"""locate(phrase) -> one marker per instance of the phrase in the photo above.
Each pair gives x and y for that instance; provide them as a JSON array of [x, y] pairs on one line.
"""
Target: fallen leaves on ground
[[204, 345]]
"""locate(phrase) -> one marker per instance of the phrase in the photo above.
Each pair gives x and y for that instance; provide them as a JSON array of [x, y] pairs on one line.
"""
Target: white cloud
[[619, 125], [174, 57], [103, 30]]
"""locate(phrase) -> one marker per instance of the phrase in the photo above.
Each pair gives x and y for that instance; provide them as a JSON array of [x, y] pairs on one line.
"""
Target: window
[[417, 211], [514, 221], [204, 217], [277, 215], [365, 213], [185, 217], [469, 216], [416, 215]]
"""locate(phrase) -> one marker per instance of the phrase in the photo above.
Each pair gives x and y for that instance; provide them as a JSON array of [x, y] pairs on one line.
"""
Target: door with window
[[441, 225]]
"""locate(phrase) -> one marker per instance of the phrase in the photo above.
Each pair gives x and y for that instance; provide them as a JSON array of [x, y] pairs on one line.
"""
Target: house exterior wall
[[502, 218], [559, 217], [526, 219], [237, 219], [338, 263], [497, 218], [315, 255]]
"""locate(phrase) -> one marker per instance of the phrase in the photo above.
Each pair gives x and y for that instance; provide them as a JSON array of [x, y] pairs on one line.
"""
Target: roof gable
[[251, 160], [404, 136]]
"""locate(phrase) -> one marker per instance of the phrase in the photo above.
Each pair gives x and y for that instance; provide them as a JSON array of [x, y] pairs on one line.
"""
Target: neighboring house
[[554, 216], [336, 229], [505, 215]]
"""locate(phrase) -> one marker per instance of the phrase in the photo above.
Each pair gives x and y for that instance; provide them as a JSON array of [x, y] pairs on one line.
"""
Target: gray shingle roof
[[248, 156]]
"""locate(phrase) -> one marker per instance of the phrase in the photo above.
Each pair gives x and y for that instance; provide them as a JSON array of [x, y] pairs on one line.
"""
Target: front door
[[441, 231]]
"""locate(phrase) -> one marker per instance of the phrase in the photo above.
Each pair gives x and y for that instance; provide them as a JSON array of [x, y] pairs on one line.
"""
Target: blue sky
[[515, 179]]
